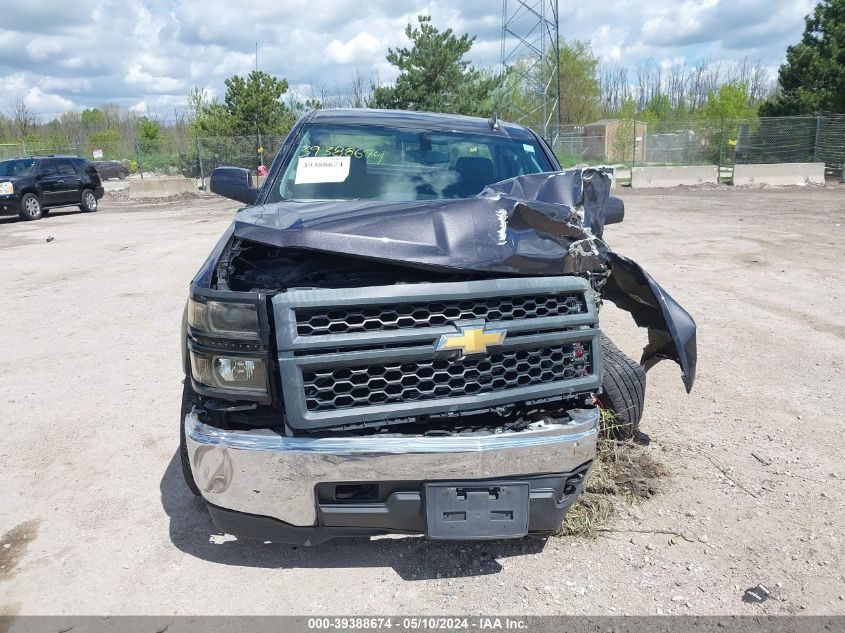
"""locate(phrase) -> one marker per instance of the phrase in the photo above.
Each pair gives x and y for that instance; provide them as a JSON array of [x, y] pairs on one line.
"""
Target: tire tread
[[187, 403], [623, 387]]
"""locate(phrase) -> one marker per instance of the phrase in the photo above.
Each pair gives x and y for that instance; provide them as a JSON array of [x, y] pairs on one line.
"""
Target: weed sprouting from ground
[[623, 471]]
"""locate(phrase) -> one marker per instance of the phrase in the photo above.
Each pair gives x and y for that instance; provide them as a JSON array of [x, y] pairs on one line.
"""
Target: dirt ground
[[96, 520]]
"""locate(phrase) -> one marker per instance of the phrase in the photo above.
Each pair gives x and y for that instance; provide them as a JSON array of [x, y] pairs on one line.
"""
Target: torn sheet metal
[[671, 329], [537, 224]]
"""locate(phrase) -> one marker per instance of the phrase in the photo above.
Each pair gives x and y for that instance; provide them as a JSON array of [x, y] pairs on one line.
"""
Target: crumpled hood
[[496, 232], [533, 225]]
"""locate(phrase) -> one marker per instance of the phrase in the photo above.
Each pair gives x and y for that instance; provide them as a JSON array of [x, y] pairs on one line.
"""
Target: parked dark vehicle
[[30, 187], [109, 169], [400, 334]]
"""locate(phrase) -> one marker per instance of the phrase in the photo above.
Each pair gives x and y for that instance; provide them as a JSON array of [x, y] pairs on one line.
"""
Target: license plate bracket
[[476, 510]]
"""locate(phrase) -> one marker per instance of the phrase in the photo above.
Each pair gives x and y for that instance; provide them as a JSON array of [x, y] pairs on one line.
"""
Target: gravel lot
[[96, 520]]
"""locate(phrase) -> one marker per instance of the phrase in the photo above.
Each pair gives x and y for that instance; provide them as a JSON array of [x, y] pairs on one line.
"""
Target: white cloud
[[66, 84], [361, 49], [152, 84], [72, 62], [14, 84], [42, 48], [607, 43], [684, 20], [233, 64], [40, 101]]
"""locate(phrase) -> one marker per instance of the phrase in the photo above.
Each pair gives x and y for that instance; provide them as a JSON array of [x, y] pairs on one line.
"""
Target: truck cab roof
[[420, 120]]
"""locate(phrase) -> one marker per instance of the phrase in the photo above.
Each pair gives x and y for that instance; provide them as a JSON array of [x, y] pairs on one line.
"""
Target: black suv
[[32, 186]]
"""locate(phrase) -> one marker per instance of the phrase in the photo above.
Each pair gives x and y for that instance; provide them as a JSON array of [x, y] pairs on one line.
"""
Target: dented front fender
[[671, 329]]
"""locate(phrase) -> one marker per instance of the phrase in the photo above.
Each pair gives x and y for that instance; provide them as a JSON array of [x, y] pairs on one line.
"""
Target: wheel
[[623, 391], [89, 201], [31, 207], [187, 403]]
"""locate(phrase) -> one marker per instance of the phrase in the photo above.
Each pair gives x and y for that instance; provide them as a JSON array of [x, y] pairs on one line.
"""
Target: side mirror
[[614, 210], [234, 183]]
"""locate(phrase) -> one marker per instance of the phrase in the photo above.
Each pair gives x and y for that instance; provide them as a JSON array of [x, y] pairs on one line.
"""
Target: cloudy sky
[[148, 54]]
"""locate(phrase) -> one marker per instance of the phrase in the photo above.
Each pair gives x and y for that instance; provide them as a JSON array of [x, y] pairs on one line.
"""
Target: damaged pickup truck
[[400, 333]]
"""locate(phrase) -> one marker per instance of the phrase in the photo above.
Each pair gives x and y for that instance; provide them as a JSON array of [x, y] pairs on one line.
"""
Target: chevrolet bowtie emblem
[[472, 339]]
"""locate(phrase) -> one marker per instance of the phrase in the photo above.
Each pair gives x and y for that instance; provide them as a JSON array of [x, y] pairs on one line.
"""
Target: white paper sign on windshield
[[313, 169]]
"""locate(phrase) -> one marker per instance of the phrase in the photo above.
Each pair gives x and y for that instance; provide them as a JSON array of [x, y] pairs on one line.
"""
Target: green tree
[[208, 116], [149, 135], [730, 101], [519, 94], [255, 102], [110, 142], [813, 78], [70, 123], [57, 142], [622, 143], [6, 135], [92, 119], [657, 109], [22, 119], [580, 93], [725, 110], [434, 76], [513, 98], [251, 104]]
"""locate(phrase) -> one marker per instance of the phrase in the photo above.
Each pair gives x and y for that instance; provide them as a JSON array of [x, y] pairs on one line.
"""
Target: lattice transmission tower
[[530, 48]]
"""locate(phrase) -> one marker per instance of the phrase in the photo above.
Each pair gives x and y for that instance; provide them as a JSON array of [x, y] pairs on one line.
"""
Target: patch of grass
[[590, 512], [623, 471]]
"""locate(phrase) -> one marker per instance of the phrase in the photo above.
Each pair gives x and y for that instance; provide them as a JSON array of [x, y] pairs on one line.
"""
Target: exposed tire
[[89, 201], [31, 207], [623, 391], [187, 403]]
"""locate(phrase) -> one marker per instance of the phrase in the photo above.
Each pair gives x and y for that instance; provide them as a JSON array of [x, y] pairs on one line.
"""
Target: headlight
[[230, 372], [231, 319], [6, 189]]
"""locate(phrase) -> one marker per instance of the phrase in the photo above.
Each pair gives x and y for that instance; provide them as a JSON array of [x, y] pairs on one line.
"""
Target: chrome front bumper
[[262, 473]]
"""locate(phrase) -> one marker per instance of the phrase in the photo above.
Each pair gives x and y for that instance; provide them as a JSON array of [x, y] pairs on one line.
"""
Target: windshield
[[17, 167], [381, 163]]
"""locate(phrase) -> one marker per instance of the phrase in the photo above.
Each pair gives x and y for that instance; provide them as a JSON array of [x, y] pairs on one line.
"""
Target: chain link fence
[[177, 152], [171, 154], [723, 143], [17, 150]]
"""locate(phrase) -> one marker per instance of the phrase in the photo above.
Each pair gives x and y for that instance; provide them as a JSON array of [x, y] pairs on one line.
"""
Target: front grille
[[362, 356], [358, 386], [435, 313]]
